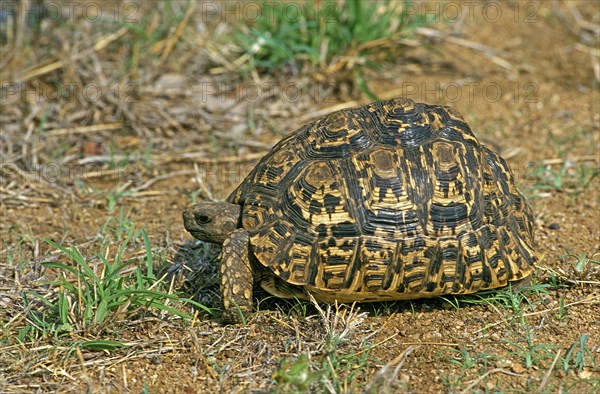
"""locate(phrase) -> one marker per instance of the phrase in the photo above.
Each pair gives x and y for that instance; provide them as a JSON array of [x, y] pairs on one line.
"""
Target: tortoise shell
[[393, 200]]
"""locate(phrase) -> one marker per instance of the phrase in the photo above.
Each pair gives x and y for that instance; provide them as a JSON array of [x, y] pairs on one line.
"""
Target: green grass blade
[[59, 266], [102, 344], [149, 257]]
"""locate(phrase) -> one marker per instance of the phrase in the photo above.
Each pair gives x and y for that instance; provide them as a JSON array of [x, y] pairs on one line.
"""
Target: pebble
[[503, 363], [585, 374], [517, 368]]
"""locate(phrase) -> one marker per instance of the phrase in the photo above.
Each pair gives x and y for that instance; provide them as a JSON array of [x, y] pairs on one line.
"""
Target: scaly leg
[[236, 277]]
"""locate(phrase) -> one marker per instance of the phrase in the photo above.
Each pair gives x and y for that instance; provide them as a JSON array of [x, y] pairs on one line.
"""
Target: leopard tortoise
[[394, 200]]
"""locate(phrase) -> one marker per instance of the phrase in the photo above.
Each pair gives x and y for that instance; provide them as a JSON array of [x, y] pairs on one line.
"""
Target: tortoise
[[394, 200]]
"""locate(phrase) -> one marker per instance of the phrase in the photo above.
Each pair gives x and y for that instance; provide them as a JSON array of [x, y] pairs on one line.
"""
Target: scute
[[393, 200], [340, 133]]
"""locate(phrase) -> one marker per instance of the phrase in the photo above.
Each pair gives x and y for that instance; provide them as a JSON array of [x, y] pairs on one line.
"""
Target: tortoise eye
[[202, 219]]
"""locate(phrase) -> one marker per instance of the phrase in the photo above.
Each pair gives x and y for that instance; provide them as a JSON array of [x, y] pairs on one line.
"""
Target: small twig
[[399, 360], [548, 372], [172, 122], [574, 159], [111, 173], [150, 193], [336, 107], [594, 57], [61, 63], [485, 375], [150, 182], [84, 370], [201, 184], [178, 32], [594, 52], [377, 344], [582, 24], [402, 357], [84, 129], [20, 22], [486, 51], [197, 157], [295, 328], [430, 343]]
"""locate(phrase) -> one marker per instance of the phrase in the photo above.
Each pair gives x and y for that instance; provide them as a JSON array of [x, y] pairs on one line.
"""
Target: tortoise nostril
[[202, 219]]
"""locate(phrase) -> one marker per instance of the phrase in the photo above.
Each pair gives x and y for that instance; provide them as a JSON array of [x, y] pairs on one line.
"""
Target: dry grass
[[116, 124]]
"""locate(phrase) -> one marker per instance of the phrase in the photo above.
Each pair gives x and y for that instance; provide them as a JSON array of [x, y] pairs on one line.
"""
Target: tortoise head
[[212, 221]]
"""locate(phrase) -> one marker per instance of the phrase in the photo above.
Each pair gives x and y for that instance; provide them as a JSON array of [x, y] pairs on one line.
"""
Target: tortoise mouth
[[196, 234], [189, 221]]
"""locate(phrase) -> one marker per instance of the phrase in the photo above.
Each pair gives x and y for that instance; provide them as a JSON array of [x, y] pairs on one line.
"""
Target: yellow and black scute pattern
[[393, 200]]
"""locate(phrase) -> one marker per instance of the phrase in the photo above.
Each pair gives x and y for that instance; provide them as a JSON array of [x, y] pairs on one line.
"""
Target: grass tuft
[[297, 374], [569, 178], [337, 40], [89, 296], [579, 355], [582, 266]]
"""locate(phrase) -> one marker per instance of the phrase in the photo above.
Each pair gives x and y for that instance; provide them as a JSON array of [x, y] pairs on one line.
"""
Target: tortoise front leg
[[236, 276]]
